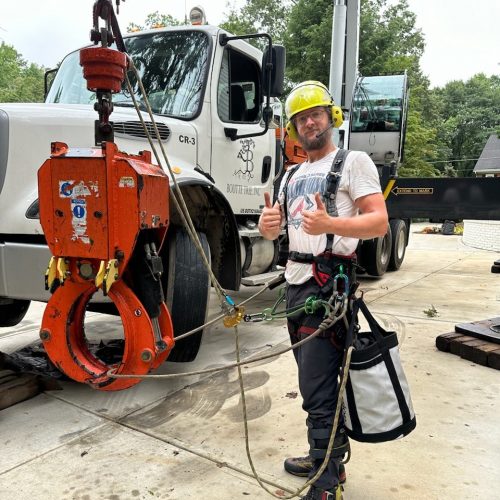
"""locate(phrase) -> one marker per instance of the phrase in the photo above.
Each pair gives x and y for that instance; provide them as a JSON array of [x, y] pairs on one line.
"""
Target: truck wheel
[[13, 312], [376, 253], [398, 247], [187, 289]]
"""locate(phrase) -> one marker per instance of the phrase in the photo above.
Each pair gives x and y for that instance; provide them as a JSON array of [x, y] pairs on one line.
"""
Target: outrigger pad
[[486, 329]]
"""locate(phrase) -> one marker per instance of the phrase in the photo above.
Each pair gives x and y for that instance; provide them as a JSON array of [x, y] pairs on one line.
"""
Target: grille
[[136, 129]]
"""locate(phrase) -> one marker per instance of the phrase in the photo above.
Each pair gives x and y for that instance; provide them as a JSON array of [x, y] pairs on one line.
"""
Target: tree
[[468, 114], [19, 81], [154, 20], [308, 40], [389, 41], [236, 24], [259, 16]]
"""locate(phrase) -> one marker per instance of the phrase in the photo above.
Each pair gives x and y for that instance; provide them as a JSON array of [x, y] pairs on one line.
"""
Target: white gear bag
[[376, 402]]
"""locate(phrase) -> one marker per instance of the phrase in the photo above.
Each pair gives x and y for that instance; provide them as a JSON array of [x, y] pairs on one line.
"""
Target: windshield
[[378, 103], [172, 65]]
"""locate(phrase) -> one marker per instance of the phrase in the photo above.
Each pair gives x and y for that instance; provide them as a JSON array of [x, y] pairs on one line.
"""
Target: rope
[[222, 316], [309, 482], [247, 361]]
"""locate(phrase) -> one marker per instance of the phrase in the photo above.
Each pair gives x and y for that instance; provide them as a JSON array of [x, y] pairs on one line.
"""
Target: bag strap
[[372, 322], [359, 305]]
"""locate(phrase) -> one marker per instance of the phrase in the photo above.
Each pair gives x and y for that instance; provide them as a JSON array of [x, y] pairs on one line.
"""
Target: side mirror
[[275, 120], [277, 72]]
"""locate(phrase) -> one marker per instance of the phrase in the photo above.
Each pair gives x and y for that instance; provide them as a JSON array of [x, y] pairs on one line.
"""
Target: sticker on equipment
[[79, 220]]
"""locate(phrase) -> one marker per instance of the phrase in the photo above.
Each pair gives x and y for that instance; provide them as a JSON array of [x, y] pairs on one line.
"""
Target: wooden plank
[[471, 352], [443, 341], [494, 359], [456, 344], [480, 354], [17, 388]]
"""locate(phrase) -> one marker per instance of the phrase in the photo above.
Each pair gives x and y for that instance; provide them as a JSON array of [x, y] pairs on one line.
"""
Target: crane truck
[[221, 125]]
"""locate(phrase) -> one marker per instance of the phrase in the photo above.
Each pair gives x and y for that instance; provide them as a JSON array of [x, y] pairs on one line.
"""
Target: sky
[[462, 37]]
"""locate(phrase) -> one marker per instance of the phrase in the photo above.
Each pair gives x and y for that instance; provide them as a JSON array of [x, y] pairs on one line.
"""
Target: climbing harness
[[327, 267], [329, 196]]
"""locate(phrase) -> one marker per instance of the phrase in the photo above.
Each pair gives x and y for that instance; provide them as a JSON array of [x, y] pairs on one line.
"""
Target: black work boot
[[319, 494], [302, 466]]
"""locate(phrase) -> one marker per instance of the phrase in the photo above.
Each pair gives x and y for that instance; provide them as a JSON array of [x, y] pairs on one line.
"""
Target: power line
[[463, 159]]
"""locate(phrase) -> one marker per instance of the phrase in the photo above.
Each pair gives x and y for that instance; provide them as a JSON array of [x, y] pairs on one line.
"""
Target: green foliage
[[389, 41], [236, 24], [308, 40], [154, 20], [419, 145], [19, 81], [468, 113], [259, 16]]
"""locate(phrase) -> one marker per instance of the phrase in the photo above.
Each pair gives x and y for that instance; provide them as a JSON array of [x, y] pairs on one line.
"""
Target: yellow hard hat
[[306, 95]]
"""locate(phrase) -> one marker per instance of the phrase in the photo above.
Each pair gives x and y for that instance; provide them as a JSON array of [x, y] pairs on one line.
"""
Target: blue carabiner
[[346, 282]]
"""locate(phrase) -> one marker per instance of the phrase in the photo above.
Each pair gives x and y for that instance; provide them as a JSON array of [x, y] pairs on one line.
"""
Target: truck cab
[[207, 91]]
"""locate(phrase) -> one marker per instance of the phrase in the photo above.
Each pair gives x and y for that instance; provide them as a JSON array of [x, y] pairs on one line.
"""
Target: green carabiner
[[310, 306]]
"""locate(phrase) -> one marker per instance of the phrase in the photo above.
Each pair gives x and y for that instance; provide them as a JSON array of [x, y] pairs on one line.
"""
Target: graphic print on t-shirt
[[300, 195]]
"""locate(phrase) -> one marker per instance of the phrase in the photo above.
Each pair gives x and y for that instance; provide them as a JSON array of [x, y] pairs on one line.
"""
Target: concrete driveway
[[184, 438]]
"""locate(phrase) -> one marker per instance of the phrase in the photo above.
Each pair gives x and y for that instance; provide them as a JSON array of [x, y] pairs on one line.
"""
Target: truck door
[[243, 168]]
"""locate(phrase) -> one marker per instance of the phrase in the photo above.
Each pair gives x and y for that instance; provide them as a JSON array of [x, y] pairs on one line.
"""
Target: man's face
[[309, 124]]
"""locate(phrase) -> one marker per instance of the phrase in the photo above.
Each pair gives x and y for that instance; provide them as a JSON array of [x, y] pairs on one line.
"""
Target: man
[[311, 114]]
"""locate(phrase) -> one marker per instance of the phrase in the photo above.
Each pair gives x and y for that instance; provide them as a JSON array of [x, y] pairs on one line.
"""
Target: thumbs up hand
[[270, 219], [316, 221], [267, 201], [319, 202]]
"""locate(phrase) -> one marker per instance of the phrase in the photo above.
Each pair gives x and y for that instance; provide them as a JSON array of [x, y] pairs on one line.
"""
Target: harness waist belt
[[309, 258]]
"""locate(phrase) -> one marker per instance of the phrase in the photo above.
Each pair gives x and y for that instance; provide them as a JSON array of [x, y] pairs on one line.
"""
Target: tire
[[12, 313], [187, 288], [376, 253], [495, 268], [399, 243]]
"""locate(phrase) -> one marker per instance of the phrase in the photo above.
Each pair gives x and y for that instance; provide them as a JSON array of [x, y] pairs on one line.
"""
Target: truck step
[[260, 279], [478, 342]]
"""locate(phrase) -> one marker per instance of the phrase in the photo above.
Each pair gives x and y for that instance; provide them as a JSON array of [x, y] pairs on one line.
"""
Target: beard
[[314, 143]]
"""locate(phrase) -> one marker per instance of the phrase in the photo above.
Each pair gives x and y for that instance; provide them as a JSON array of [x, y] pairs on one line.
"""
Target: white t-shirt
[[359, 178]]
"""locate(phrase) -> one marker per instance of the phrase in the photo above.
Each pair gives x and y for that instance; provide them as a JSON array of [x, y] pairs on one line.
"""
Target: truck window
[[377, 104], [238, 89], [172, 65]]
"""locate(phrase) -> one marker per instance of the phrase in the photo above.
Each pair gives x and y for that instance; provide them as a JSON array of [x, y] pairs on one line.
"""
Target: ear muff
[[337, 116], [291, 131]]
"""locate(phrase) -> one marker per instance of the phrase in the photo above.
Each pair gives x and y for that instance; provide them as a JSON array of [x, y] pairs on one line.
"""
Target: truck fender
[[212, 215]]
